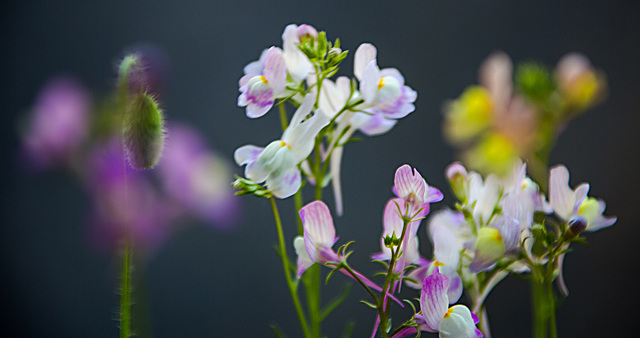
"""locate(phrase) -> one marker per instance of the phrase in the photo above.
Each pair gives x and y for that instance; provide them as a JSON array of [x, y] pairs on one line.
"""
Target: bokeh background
[[207, 283]]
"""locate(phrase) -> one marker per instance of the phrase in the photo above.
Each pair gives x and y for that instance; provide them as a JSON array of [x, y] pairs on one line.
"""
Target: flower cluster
[[328, 112], [496, 122], [504, 222]]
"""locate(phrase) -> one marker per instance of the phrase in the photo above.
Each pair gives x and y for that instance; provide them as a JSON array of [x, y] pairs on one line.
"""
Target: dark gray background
[[207, 283]]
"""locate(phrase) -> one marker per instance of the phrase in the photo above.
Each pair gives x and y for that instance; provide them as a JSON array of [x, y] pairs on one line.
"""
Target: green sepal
[[248, 187]]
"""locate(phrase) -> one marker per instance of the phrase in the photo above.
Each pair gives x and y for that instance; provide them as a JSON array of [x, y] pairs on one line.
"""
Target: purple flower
[[413, 189], [197, 178], [58, 123], [318, 238], [437, 316], [125, 203], [264, 81]]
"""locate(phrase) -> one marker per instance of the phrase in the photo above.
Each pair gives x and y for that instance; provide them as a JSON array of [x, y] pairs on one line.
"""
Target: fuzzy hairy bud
[[143, 132]]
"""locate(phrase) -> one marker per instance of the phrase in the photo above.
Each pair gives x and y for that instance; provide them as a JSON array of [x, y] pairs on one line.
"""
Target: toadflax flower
[[569, 203], [436, 315], [277, 164], [384, 92], [319, 237], [413, 189], [455, 321], [264, 80], [298, 65]]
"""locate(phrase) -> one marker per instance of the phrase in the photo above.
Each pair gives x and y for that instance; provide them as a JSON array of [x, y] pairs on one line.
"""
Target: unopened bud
[[576, 226], [143, 132], [457, 177]]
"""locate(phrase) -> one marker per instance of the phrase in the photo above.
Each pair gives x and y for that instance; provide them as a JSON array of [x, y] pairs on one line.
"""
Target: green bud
[[534, 81], [322, 44], [143, 132], [244, 186]]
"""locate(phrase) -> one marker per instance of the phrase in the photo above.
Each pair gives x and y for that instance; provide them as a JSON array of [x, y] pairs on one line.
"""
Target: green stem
[[297, 199], [388, 280], [285, 265], [283, 116], [313, 299], [125, 291]]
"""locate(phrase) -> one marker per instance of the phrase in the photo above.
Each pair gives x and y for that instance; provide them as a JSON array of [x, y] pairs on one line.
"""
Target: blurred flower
[[581, 85], [493, 126], [198, 178], [568, 203], [58, 124], [125, 203]]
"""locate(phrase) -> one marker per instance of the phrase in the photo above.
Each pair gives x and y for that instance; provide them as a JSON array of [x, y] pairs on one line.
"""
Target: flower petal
[[434, 300], [285, 183], [458, 323], [275, 70], [561, 197], [245, 154], [318, 224], [365, 53], [304, 261]]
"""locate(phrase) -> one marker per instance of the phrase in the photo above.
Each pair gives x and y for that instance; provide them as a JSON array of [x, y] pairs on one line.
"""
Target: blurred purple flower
[[124, 201], [58, 124], [198, 178]]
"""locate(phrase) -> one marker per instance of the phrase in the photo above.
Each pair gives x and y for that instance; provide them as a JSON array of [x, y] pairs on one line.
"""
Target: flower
[[437, 316], [264, 81], [277, 164], [298, 65], [384, 92], [414, 190], [580, 85], [58, 123], [568, 203], [197, 178], [319, 236], [125, 203]]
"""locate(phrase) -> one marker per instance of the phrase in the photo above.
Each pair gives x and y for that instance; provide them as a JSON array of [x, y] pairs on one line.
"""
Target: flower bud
[[489, 248], [576, 226], [457, 177], [143, 132]]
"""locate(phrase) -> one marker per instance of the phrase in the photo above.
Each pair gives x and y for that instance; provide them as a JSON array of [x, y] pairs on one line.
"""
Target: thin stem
[[125, 291], [388, 279], [297, 199], [359, 280], [313, 299], [287, 275], [283, 116]]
